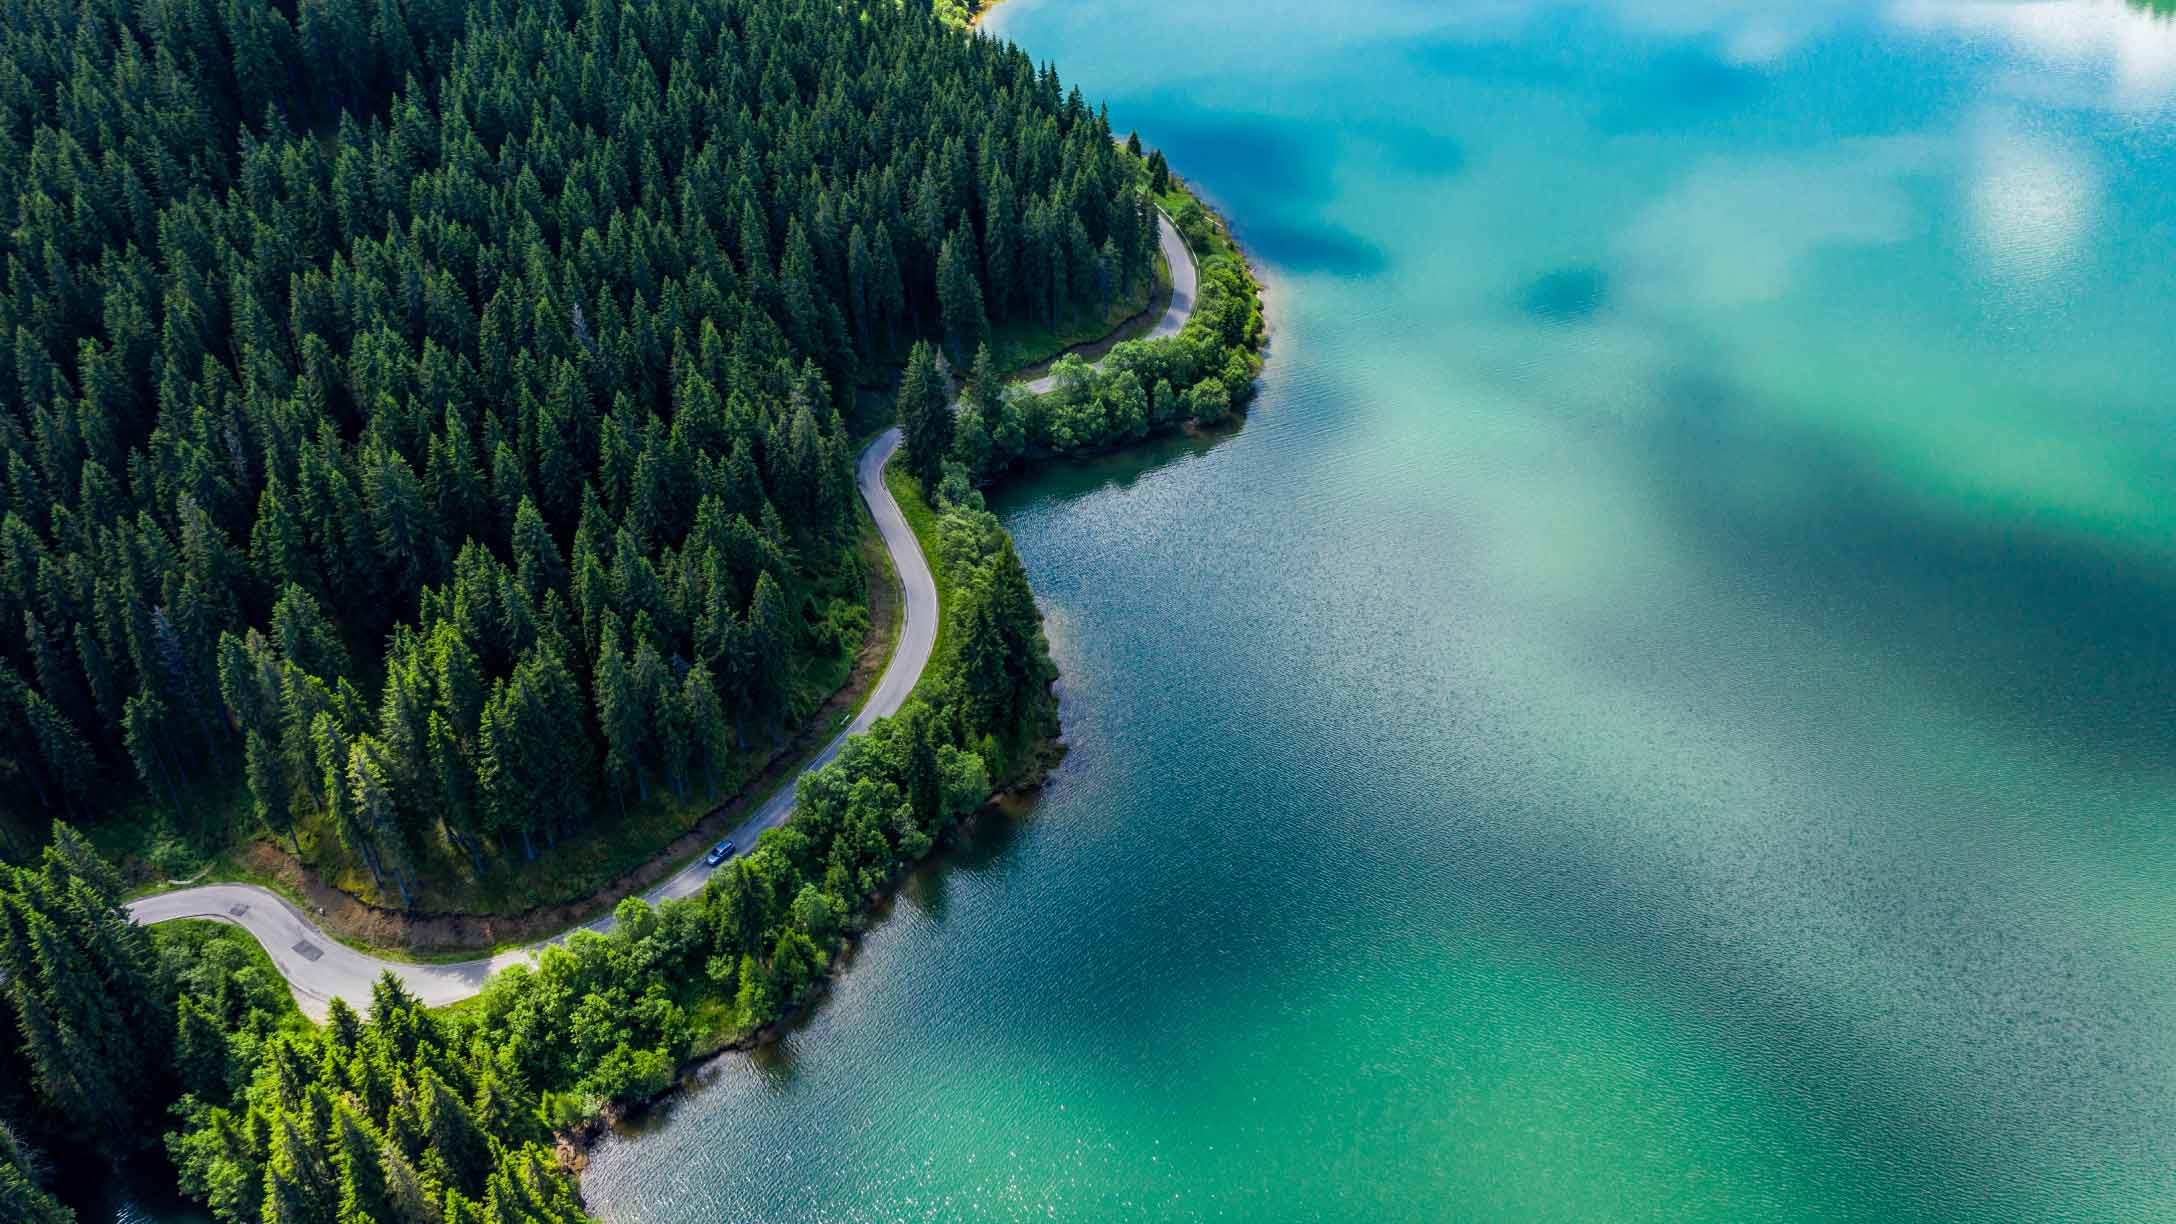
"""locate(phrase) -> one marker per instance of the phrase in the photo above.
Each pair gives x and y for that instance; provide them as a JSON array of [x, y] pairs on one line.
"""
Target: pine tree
[[623, 715], [980, 659], [536, 557], [664, 740], [305, 637], [23, 1197], [406, 1195], [458, 1152], [925, 417], [769, 640], [330, 750], [65, 1072], [359, 1162], [62, 753], [455, 793], [372, 807], [982, 403], [141, 719], [459, 679], [201, 1056], [1000, 245], [268, 788], [301, 1186], [56, 677], [71, 854], [959, 295], [87, 993], [403, 522]]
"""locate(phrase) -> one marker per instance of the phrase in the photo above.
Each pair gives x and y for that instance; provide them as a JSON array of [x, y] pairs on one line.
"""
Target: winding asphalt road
[[319, 968], [1185, 282]]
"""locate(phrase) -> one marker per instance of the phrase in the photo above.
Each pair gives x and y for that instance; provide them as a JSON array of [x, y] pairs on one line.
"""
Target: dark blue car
[[718, 854]]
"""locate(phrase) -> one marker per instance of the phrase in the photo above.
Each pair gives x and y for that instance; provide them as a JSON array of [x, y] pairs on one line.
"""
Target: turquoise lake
[[1665, 709]]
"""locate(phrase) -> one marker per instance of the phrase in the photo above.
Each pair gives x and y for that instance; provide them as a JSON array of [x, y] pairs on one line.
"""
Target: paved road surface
[[318, 968], [1185, 280]]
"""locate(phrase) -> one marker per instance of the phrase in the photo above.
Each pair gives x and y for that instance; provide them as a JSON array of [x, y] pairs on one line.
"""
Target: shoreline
[[1024, 467], [1007, 802], [1044, 756]]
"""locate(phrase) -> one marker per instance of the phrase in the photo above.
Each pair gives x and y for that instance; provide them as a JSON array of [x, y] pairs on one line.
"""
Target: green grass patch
[[163, 837], [922, 518], [1018, 345], [1203, 230], [716, 1021], [460, 1008], [197, 939]]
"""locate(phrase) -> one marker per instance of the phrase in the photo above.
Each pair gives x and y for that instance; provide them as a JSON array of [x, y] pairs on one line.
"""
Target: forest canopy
[[428, 420]]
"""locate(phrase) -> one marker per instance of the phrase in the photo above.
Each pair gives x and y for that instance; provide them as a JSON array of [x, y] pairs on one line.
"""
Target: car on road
[[718, 854]]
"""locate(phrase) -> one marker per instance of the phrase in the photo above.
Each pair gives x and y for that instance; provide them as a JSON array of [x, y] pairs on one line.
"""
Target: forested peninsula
[[429, 432]]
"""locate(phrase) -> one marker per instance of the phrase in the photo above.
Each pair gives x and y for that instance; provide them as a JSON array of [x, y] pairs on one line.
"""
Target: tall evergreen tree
[[24, 1197], [88, 995], [925, 416]]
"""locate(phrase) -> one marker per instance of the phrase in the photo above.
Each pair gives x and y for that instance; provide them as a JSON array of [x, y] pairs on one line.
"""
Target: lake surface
[[1665, 710]]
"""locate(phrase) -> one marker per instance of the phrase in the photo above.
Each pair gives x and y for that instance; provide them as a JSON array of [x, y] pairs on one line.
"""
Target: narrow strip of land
[[319, 968]]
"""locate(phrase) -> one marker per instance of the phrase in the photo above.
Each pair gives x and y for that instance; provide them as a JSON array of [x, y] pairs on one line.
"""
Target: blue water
[[1662, 711]]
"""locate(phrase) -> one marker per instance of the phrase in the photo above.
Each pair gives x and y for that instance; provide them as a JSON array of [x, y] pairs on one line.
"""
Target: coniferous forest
[[427, 425], [430, 417]]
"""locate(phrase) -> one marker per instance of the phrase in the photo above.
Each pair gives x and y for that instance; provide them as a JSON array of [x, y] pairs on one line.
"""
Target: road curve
[[318, 968], [1185, 282]]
